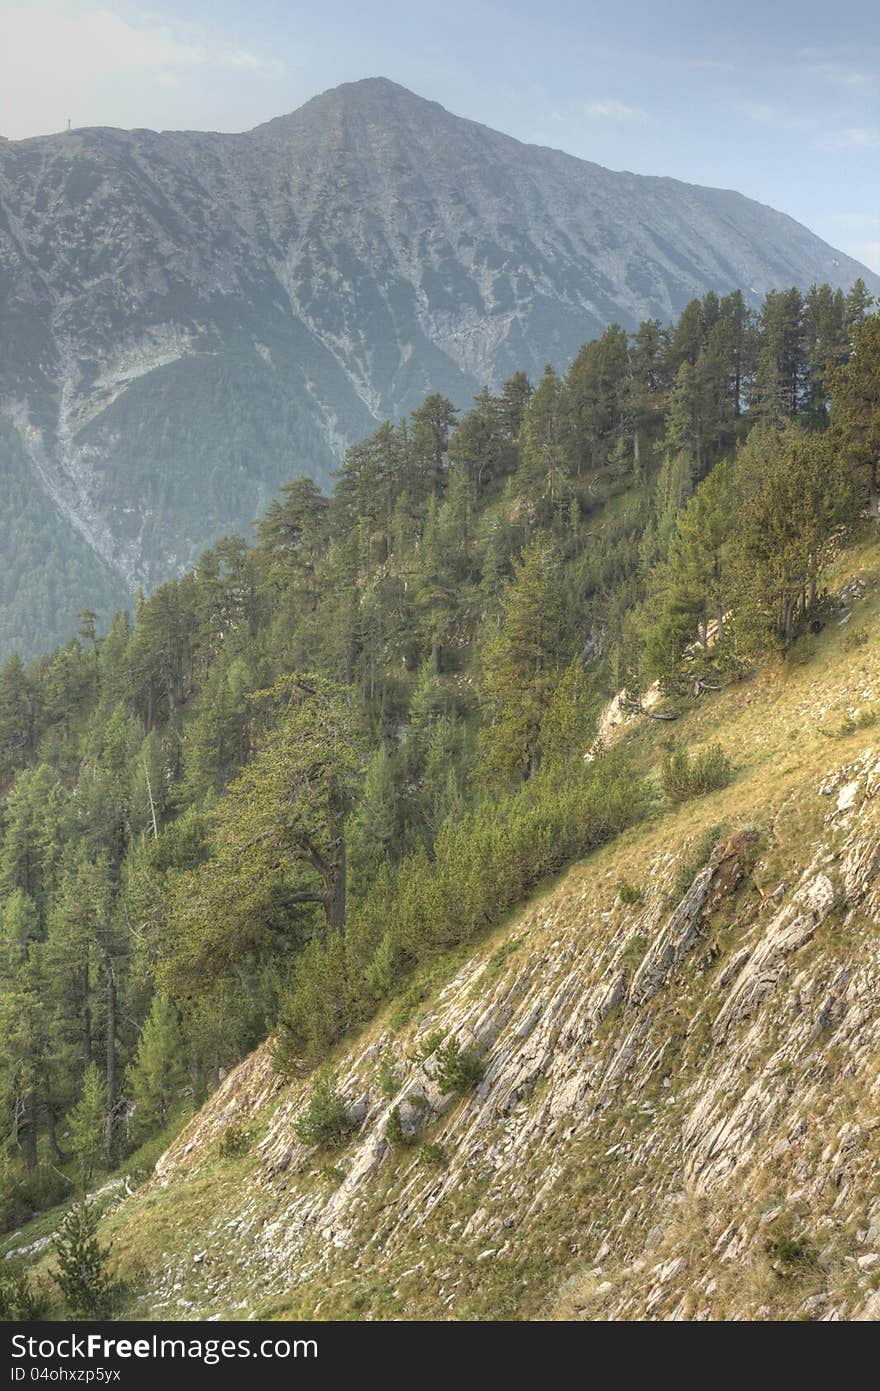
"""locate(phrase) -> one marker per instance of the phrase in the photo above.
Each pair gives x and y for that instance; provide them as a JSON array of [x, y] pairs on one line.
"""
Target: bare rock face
[[188, 319], [680, 1105]]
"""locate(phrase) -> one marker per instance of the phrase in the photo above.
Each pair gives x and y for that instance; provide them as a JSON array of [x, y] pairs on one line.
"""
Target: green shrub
[[457, 1069], [326, 1121], [20, 1301], [433, 1156], [634, 953], [315, 1013], [89, 1290], [684, 775], [801, 650], [792, 1252], [409, 1001], [428, 1046], [30, 1192], [394, 1127], [484, 863], [387, 1074], [627, 893], [236, 1141]]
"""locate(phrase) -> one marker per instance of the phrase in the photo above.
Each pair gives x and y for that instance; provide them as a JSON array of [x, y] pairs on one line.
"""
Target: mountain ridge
[[192, 318]]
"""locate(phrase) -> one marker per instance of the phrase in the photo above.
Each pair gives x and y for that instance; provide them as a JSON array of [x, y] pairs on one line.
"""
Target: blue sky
[[776, 99]]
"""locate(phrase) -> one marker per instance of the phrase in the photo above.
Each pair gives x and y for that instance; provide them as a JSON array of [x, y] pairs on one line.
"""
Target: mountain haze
[[189, 319]]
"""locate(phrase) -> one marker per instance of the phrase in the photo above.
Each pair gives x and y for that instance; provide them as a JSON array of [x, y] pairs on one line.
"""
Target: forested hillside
[[312, 763]]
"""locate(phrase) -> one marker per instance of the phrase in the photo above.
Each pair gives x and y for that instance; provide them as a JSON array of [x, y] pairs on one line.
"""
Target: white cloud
[[54, 49], [852, 138], [838, 74], [614, 110], [766, 115]]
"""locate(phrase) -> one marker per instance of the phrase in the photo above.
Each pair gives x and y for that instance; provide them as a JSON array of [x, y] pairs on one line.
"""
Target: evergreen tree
[[280, 839], [87, 1123], [826, 348], [855, 411], [374, 823], [82, 1272], [569, 723], [857, 306], [157, 1077], [429, 440], [786, 533], [782, 366], [521, 663], [18, 716], [540, 478]]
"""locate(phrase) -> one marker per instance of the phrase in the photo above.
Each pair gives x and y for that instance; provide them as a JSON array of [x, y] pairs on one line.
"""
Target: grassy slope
[[784, 728]]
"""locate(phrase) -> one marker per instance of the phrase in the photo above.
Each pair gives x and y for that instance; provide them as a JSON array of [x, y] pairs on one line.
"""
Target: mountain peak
[[377, 96], [310, 277]]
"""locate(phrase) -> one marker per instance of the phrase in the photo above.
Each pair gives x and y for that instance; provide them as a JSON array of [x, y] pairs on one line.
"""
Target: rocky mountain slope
[[188, 319], [679, 1113]]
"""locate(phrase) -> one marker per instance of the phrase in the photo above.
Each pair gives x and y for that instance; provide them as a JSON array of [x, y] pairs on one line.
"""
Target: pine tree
[[693, 589], [686, 338], [373, 826], [520, 665], [826, 348], [291, 536], [157, 1077], [18, 716], [855, 411], [429, 440], [540, 479], [87, 1123], [570, 721], [787, 530], [280, 840], [782, 366], [82, 1274], [857, 306]]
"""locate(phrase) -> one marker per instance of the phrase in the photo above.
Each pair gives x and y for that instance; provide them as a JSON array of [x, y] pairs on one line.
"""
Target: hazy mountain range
[[188, 319]]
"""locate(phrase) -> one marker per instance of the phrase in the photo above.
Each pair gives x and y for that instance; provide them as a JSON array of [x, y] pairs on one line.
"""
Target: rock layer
[[679, 1113]]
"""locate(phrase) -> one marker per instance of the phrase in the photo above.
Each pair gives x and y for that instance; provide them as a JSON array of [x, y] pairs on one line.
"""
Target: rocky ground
[[679, 1115]]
